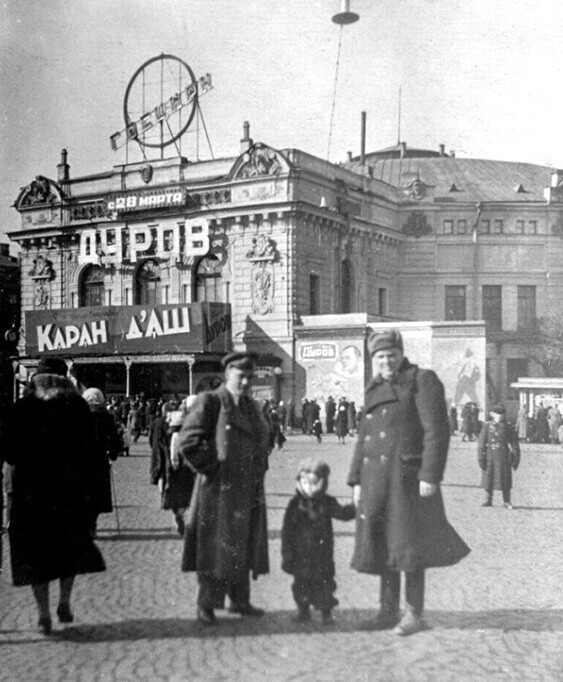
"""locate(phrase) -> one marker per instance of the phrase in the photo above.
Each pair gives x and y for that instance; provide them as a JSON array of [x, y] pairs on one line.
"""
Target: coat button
[[367, 438], [369, 416], [384, 411], [366, 460], [384, 458], [382, 434]]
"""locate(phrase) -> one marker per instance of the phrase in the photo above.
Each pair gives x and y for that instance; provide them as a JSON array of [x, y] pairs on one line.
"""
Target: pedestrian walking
[[341, 423], [452, 419], [106, 446], [522, 424], [541, 424], [467, 422], [498, 453], [227, 441], [318, 430], [47, 438], [308, 541], [398, 464], [330, 409]]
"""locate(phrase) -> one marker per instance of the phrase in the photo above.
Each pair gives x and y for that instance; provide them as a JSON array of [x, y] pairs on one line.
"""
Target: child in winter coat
[[318, 430], [308, 540]]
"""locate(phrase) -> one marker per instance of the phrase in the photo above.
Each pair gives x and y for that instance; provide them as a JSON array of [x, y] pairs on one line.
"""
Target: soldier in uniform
[[226, 440], [396, 471]]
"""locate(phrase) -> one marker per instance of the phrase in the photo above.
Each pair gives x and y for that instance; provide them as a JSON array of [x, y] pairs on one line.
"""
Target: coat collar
[[380, 391], [240, 418]]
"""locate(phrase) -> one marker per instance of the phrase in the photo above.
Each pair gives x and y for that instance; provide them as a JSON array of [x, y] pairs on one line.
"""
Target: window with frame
[[498, 226], [147, 283], [515, 368], [492, 307], [382, 301], [462, 226], [532, 226], [485, 227], [448, 226], [208, 280], [314, 294], [520, 226], [526, 308], [455, 302], [92, 290]]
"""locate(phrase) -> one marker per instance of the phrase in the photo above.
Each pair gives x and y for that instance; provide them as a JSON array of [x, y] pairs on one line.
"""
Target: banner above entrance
[[187, 328]]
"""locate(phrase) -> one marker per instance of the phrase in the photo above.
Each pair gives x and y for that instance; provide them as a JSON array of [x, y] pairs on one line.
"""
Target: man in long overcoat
[[226, 440], [396, 471]]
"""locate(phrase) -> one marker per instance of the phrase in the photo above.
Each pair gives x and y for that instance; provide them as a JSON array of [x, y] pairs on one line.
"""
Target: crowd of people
[[209, 458]]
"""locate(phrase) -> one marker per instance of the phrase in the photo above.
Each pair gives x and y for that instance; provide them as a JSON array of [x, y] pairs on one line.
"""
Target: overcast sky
[[483, 77]]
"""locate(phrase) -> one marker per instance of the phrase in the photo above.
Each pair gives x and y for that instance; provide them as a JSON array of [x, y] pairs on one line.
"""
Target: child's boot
[[327, 617], [303, 614]]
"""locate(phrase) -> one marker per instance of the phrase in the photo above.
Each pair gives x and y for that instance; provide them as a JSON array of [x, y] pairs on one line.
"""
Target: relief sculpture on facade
[[42, 273], [262, 256]]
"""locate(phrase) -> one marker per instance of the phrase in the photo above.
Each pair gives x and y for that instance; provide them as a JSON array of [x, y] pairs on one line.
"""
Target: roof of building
[[450, 178]]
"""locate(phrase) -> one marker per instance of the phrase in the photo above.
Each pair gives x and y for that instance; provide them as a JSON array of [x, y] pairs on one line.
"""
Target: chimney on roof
[[556, 177], [63, 169], [363, 144], [403, 150], [442, 149], [452, 153], [349, 156], [246, 141]]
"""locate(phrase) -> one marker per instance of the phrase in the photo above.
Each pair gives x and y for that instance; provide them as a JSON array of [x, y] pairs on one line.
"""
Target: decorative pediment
[[260, 161], [40, 192], [417, 224]]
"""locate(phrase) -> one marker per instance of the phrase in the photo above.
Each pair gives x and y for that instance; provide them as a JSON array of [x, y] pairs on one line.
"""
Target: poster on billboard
[[333, 368]]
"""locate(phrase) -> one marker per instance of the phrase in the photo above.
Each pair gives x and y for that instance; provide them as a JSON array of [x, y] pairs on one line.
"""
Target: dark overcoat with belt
[[228, 445], [498, 453], [403, 439]]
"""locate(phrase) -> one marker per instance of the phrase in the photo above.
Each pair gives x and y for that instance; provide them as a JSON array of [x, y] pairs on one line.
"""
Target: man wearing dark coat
[[330, 409], [226, 440], [396, 470], [498, 453]]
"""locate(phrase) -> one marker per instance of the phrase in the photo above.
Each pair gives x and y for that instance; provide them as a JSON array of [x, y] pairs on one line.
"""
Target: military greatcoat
[[228, 445], [402, 440]]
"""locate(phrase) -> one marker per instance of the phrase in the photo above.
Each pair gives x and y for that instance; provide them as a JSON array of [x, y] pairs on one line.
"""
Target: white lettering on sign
[[51, 337], [153, 323], [161, 112], [107, 242], [133, 202], [318, 351]]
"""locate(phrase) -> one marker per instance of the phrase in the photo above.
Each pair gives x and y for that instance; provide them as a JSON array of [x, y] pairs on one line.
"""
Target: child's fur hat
[[314, 465]]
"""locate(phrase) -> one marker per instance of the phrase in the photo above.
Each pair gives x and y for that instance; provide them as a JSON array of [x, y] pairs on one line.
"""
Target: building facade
[[273, 236]]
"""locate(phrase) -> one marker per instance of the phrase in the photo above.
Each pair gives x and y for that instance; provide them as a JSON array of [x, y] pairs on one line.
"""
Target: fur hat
[[382, 340], [498, 409], [314, 465], [175, 418], [52, 365], [93, 396]]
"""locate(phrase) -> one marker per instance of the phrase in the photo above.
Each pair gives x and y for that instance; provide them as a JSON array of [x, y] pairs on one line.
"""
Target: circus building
[[143, 275]]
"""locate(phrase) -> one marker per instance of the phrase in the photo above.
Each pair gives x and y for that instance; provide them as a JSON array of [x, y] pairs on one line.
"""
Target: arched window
[[92, 287], [346, 287], [147, 284], [208, 280]]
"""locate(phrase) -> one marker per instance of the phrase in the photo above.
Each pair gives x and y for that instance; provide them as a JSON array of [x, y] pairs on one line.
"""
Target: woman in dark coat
[[47, 437], [396, 470], [107, 446], [173, 476], [341, 422], [498, 453]]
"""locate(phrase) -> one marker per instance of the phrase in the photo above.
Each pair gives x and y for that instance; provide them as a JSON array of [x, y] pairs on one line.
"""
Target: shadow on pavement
[[280, 623]]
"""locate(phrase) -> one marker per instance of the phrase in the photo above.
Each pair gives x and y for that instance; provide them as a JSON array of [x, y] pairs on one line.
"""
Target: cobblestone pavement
[[498, 615]]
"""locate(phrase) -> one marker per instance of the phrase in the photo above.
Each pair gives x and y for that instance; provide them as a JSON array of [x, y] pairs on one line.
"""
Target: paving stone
[[498, 615]]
